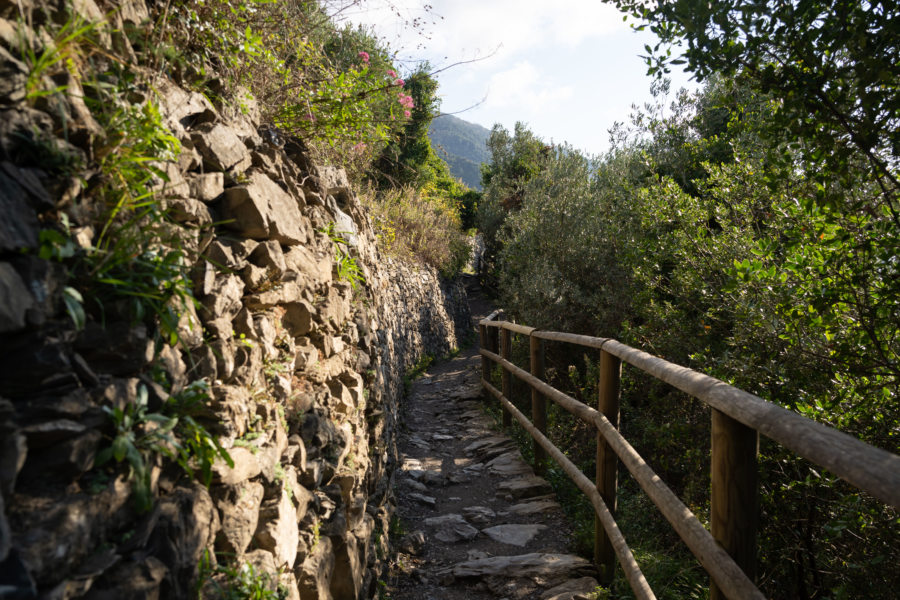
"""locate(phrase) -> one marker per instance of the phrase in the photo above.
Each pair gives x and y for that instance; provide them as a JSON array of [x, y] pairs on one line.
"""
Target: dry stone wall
[[304, 371]]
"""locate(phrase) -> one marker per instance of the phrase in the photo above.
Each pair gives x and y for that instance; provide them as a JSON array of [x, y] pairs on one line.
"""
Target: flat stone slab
[[429, 500], [509, 464], [480, 515], [524, 487], [418, 486], [573, 589], [417, 441], [452, 528], [535, 564], [533, 507], [485, 442], [467, 393], [514, 535]]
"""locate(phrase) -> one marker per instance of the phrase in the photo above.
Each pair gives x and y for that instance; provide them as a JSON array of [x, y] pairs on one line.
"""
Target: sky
[[568, 69]]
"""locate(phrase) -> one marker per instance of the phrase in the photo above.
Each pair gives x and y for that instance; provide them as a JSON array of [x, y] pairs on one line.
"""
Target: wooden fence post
[[734, 499], [485, 361], [493, 341], [506, 377], [607, 463], [538, 403]]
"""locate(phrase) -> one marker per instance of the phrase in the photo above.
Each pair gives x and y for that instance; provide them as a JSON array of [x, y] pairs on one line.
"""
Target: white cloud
[[567, 68], [461, 29], [522, 88]]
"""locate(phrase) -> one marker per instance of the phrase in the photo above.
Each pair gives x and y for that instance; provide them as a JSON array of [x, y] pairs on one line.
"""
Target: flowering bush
[[334, 87]]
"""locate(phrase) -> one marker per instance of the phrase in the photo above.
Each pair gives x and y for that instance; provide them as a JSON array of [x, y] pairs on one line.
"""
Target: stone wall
[[304, 371]]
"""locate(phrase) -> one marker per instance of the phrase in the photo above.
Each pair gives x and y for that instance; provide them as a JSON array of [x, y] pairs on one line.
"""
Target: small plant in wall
[[244, 581], [140, 436], [347, 268]]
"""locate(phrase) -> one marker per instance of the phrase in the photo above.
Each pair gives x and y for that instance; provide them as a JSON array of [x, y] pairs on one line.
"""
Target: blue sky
[[569, 69]]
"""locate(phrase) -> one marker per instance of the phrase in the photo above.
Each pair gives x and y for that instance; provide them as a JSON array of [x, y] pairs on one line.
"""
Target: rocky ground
[[478, 523]]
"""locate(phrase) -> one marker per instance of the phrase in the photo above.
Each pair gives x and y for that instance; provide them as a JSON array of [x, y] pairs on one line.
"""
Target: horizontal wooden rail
[[738, 417], [623, 552], [714, 559], [514, 327], [871, 469]]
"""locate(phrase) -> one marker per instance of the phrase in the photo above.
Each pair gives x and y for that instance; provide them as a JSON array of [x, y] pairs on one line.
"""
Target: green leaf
[[120, 447]]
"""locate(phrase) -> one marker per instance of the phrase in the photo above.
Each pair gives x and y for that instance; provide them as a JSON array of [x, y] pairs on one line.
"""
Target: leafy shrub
[[689, 241], [334, 86], [140, 436], [412, 225]]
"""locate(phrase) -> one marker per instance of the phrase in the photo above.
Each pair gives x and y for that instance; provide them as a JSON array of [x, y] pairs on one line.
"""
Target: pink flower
[[392, 73], [359, 148], [407, 114], [364, 56], [404, 100], [400, 82]]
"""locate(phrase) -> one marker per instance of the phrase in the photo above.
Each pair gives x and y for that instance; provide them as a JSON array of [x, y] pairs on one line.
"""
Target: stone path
[[479, 524]]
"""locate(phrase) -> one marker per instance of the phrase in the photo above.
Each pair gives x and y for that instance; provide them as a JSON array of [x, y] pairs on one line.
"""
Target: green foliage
[[514, 161], [237, 582], [410, 160], [68, 47], [688, 240], [416, 371], [136, 266], [834, 67], [197, 449], [334, 86], [419, 225], [139, 436], [347, 269]]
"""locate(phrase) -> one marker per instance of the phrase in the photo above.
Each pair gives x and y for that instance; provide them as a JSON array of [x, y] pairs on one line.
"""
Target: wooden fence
[[728, 550]]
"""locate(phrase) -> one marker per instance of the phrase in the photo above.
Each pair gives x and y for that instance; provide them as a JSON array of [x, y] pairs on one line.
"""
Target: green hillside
[[462, 145]]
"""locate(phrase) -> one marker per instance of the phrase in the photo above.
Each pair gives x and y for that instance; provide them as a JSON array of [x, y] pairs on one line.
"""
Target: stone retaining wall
[[304, 372]]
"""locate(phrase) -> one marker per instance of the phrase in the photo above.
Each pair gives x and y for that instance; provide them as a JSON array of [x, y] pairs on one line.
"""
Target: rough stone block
[[306, 355], [298, 318], [315, 574], [288, 291], [335, 310], [348, 569], [15, 299], [277, 531], [239, 513], [221, 148], [224, 299], [270, 257], [231, 404], [185, 524], [68, 460], [246, 466], [118, 349], [206, 186], [13, 78], [261, 210], [189, 210]]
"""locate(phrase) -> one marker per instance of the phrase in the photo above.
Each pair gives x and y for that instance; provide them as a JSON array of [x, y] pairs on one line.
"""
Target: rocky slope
[[298, 373]]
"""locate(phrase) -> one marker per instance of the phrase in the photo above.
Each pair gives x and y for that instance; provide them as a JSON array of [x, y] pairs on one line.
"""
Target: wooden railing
[[728, 550]]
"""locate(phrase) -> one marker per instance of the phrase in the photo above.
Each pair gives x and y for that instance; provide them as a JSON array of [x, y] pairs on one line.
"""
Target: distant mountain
[[462, 145]]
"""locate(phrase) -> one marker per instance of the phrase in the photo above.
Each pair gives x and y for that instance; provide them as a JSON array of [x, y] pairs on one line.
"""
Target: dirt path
[[479, 524]]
